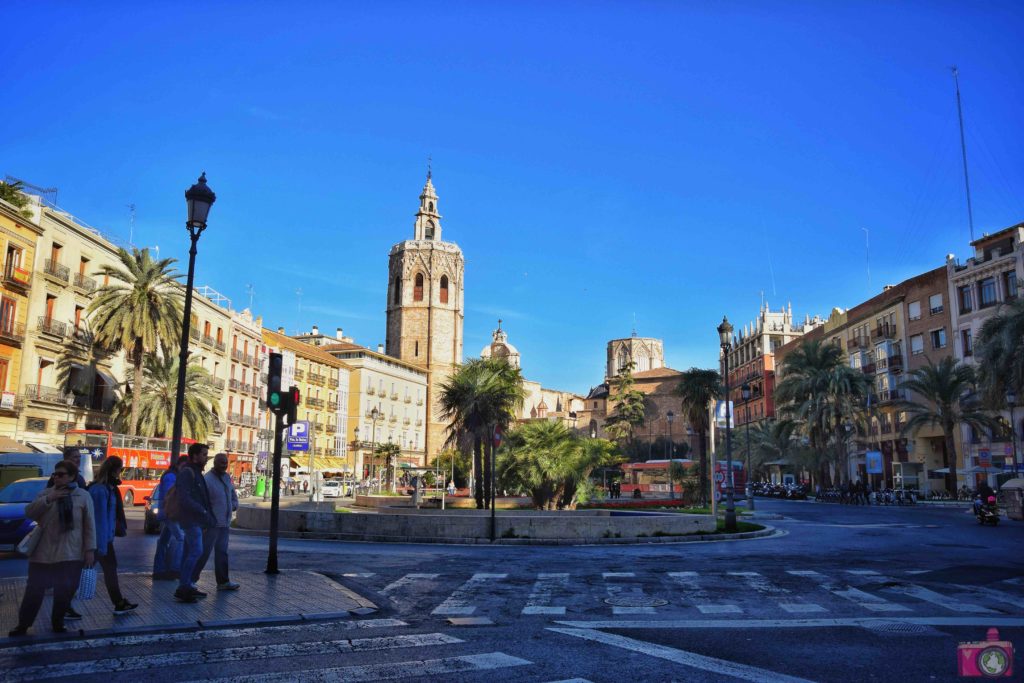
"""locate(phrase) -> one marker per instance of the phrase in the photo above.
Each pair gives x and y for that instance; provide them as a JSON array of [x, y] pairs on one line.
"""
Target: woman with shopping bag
[[110, 522], [65, 543]]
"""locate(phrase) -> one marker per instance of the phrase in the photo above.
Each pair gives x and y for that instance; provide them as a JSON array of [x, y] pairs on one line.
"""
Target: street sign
[[298, 436], [719, 476], [720, 414], [873, 462], [984, 458]]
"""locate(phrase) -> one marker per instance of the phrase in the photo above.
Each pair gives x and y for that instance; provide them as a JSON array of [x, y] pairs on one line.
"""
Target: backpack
[[171, 505]]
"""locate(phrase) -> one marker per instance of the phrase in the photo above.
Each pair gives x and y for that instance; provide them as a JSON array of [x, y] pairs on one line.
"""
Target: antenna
[[867, 255], [963, 149], [251, 291], [131, 225]]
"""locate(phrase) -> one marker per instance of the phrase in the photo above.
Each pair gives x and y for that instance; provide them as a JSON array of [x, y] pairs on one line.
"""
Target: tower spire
[[428, 220]]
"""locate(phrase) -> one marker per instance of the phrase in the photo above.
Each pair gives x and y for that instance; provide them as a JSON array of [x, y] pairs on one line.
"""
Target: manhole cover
[[635, 601], [896, 627]]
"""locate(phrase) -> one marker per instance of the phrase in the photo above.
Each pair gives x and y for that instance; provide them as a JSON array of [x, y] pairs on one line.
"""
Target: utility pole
[[963, 150]]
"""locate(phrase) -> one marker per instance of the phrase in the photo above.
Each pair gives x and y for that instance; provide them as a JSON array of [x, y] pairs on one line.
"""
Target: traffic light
[[276, 399], [292, 404]]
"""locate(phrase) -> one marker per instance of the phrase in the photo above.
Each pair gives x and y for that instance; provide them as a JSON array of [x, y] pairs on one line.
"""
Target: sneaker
[[18, 632], [71, 615], [228, 586], [184, 595], [194, 589], [124, 607]]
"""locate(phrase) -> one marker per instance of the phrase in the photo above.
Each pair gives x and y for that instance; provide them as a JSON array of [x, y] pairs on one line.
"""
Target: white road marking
[[627, 590], [618, 575], [921, 593], [573, 680], [993, 594], [542, 593], [763, 586], [618, 609], [831, 622], [692, 659], [918, 571], [861, 598], [171, 660], [405, 581], [212, 634], [364, 575], [700, 598], [385, 672], [457, 604]]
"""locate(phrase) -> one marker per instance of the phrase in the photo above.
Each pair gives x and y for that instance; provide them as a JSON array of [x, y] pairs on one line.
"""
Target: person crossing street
[[193, 499], [223, 503]]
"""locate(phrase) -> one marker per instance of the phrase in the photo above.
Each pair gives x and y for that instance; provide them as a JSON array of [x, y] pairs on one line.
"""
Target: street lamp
[[199, 199], [1011, 400], [724, 340], [745, 391], [671, 451], [390, 464], [374, 415]]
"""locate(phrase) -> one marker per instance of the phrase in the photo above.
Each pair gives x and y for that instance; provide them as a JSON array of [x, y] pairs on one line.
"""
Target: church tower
[[425, 308]]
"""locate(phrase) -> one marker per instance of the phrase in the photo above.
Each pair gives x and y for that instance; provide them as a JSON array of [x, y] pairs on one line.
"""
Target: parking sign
[[298, 436]]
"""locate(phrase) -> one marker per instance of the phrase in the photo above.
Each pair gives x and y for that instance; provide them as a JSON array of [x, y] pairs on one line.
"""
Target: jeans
[[191, 553], [108, 561], [216, 540], [168, 548], [63, 577]]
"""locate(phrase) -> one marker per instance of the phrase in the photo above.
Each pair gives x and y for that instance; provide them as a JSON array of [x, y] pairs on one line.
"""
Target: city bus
[[145, 458], [651, 477]]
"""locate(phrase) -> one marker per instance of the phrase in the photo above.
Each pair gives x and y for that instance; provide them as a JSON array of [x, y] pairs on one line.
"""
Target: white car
[[332, 489]]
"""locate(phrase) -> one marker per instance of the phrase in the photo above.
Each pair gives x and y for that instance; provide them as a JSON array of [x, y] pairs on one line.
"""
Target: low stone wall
[[473, 526]]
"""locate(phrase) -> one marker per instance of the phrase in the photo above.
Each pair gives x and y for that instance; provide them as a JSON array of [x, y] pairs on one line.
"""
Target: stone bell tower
[[425, 308]]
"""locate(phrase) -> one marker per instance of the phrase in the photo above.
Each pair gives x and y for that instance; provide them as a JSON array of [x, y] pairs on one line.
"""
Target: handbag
[[87, 584], [30, 541]]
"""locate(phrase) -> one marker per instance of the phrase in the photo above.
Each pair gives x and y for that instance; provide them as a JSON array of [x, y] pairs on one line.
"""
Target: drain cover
[[896, 627], [635, 601]]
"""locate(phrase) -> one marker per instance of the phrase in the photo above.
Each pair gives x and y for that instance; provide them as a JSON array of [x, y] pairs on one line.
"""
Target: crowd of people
[[77, 524]]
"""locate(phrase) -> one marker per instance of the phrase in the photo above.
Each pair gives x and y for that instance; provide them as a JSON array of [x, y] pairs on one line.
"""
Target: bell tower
[[425, 309]]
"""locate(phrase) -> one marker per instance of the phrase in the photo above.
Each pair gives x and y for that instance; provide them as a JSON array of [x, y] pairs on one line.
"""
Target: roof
[[600, 391], [302, 349], [657, 373], [996, 235], [349, 346]]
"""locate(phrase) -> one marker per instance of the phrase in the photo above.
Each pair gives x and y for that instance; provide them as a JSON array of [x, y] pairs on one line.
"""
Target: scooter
[[987, 512]]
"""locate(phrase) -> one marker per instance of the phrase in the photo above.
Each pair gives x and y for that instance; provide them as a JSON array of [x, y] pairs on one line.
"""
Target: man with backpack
[[167, 561], [193, 502]]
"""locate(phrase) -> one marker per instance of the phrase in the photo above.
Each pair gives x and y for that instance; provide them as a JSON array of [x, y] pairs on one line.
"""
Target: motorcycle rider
[[984, 493]]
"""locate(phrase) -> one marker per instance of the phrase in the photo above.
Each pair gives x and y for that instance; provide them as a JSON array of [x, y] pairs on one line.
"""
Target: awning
[[9, 445], [43, 447], [330, 464]]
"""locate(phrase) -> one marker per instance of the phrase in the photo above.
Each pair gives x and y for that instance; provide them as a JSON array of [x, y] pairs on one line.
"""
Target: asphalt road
[[848, 593]]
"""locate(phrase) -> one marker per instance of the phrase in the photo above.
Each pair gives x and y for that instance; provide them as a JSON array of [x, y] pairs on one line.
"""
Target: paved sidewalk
[[288, 596]]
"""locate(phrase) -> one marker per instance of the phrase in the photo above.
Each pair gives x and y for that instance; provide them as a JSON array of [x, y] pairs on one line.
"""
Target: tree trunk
[[947, 432], [488, 451], [136, 388], [478, 483], [703, 490]]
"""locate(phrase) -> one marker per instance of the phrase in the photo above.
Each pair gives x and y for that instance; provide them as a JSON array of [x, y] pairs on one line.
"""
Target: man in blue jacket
[[167, 561], [223, 503], [195, 516]]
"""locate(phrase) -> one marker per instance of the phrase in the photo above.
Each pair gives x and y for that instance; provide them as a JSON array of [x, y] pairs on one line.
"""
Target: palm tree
[[138, 310], [821, 391], [480, 395], [945, 396], [14, 193], [1000, 352], [78, 366], [772, 440], [698, 388], [154, 407]]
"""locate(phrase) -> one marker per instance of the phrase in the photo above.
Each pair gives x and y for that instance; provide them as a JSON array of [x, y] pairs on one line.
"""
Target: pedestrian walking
[[110, 522], [195, 516], [66, 543], [223, 503], [305, 484], [167, 560]]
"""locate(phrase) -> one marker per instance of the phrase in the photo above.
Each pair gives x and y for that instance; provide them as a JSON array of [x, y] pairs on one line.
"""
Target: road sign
[[984, 458], [873, 462], [298, 436], [719, 476], [718, 496]]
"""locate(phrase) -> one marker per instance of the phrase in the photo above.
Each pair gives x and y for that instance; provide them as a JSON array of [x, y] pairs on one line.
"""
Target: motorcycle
[[987, 512]]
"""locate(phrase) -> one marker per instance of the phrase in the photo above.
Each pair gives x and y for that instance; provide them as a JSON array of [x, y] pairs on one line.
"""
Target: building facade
[[425, 308], [645, 353]]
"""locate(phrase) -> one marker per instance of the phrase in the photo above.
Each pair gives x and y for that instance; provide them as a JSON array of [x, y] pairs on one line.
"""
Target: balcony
[[370, 391], [419, 401], [55, 271], [234, 385], [884, 332], [890, 364], [218, 426], [394, 395], [419, 422], [84, 283], [246, 389], [193, 334], [250, 360], [36, 392], [868, 369], [207, 340], [12, 333], [314, 402], [299, 374], [315, 378], [218, 383], [220, 346], [856, 343], [331, 429], [406, 421], [408, 399], [890, 396], [237, 355], [52, 327], [235, 417], [17, 277]]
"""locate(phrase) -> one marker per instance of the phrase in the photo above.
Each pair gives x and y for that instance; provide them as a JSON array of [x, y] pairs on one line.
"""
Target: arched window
[[444, 289], [398, 290], [417, 290], [429, 232], [431, 207]]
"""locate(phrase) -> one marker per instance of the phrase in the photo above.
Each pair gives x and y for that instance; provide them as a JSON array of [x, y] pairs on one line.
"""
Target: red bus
[[651, 477], [145, 458]]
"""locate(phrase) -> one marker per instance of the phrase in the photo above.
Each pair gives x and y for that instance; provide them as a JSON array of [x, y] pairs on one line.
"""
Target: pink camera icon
[[990, 658]]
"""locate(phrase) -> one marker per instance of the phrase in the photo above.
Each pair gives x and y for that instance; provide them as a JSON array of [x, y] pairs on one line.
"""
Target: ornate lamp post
[[199, 198], [374, 415], [1011, 401], [724, 340], [671, 453], [745, 390]]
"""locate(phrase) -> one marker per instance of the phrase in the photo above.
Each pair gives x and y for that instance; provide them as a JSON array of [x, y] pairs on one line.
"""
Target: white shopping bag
[[87, 584]]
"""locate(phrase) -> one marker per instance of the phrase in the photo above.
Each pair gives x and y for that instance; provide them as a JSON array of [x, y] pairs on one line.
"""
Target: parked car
[[332, 489], [14, 525]]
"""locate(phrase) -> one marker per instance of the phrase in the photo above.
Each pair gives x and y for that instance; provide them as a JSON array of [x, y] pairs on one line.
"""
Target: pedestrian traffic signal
[[293, 405], [276, 399]]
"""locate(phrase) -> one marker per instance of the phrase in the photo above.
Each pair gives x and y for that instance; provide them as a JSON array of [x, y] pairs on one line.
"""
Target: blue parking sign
[[298, 436]]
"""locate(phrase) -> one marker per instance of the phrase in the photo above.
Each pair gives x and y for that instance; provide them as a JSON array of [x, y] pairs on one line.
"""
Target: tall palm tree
[[1000, 352], [154, 406], [480, 395], [698, 388], [772, 440], [821, 391], [138, 310], [78, 365], [944, 395]]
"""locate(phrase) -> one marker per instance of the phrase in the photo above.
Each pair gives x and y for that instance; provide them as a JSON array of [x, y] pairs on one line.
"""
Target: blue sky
[[595, 161]]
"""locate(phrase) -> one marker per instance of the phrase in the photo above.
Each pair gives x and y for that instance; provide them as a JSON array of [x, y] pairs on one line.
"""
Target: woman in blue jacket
[[110, 522]]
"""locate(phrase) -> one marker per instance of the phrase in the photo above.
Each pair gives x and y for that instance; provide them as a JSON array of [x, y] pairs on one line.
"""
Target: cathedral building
[[425, 308]]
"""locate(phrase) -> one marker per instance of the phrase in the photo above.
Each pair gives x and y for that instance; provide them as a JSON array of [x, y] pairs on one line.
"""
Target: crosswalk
[[776, 592]]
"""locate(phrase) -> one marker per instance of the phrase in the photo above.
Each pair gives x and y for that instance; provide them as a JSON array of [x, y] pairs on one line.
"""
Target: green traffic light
[[275, 399]]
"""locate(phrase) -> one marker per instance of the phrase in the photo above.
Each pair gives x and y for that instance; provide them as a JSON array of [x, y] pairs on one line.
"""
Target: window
[[8, 307], [965, 336], [398, 291], [935, 304], [988, 292], [939, 338], [914, 310], [444, 289], [966, 302], [416, 348], [1010, 284], [429, 232], [417, 288], [3, 374], [917, 344], [55, 251], [83, 264], [79, 310]]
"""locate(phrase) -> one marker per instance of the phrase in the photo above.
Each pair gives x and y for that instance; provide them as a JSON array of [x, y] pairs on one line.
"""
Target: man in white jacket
[[223, 503]]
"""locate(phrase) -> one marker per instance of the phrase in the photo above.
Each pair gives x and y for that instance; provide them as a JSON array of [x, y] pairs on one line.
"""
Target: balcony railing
[[234, 385], [250, 360], [12, 332], [19, 277], [237, 355], [408, 399], [235, 417], [220, 346], [218, 426], [36, 392], [419, 401], [890, 395], [219, 383], [299, 374], [52, 327], [314, 402], [868, 369], [371, 391], [57, 271], [85, 283], [331, 429], [315, 378], [884, 332], [419, 422], [193, 334]]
